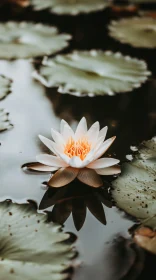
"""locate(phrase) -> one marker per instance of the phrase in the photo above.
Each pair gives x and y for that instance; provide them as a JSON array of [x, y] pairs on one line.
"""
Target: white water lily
[[77, 155]]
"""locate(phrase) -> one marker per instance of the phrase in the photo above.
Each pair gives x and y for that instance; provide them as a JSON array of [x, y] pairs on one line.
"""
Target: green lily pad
[[141, 31], [72, 7], [4, 121], [92, 73], [31, 249], [135, 190], [24, 40], [5, 86]]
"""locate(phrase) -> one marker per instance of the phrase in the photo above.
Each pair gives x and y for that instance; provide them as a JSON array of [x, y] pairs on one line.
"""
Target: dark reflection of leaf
[[79, 212], [96, 208], [75, 198], [61, 212]]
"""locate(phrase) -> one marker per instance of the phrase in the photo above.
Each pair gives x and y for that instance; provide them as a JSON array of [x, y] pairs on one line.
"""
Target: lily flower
[[77, 155]]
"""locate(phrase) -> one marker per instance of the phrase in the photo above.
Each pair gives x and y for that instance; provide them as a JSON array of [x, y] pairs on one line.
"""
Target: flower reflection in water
[[76, 200]]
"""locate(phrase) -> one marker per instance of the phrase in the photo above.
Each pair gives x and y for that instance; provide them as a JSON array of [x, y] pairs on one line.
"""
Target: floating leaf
[[93, 73], [24, 40], [146, 238], [31, 249], [5, 86], [72, 7], [4, 121], [135, 190], [141, 31]]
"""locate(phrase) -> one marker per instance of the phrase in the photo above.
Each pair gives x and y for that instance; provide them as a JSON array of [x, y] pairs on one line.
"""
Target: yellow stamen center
[[78, 148]]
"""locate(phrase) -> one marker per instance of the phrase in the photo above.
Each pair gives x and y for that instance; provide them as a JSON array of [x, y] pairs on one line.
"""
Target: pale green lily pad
[[135, 190], [72, 7], [92, 73], [24, 40], [4, 121], [5, 86], [137, 31], [30, 249]]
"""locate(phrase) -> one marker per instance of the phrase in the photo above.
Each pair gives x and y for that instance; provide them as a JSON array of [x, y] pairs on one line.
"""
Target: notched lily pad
[[5, 86], [72, 7], [141, 31], [92, 73], [4, 120], [24, 40], [135, 190], [31, 249]]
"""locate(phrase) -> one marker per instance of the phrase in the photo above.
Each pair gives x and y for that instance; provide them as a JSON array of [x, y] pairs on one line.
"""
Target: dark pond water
[[34, 110]]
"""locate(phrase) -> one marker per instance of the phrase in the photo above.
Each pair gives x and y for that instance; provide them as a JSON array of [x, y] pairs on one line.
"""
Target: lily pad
[[135, 190], [31, 249], [92, 73], [141, 31], [24, 40], [4, 121], [5, 86], [72, 7]]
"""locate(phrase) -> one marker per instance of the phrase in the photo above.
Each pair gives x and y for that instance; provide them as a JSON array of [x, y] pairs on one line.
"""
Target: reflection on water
[[76, 198]]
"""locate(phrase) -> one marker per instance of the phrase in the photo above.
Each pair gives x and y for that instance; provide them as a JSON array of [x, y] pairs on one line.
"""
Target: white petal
[[67, 132], [109, 170], [65, 158], [58, 138], [103, 132], [75, 162], [93, 134], [50, 144], [98, 143], [81, 129], [102, 163], [51, 160], [104, 147], [63, 122]]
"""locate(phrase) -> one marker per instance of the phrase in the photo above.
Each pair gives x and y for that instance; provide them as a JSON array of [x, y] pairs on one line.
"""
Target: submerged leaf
[[31, 249], [4, 121], [72, 7], [141, 31], [24, 40], [93, 73], [5, 86], [135, 190]]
